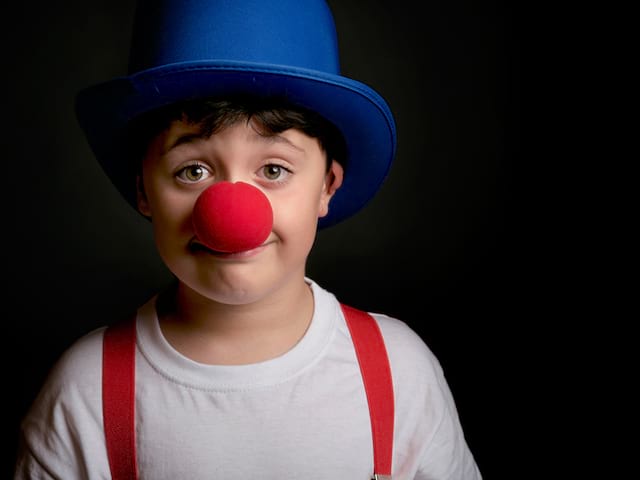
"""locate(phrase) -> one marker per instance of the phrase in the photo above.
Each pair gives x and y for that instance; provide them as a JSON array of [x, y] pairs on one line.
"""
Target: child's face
[[289, 168]]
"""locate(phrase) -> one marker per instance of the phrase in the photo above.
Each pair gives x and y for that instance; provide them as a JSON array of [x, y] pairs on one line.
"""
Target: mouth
[[196, 247]]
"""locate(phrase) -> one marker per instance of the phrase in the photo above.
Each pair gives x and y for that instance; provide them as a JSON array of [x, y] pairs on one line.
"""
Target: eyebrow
[[271, 139], [182, 139], [276, 138]]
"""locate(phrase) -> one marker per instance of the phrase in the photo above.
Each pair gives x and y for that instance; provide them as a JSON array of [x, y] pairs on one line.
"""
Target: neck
[[215, 333]]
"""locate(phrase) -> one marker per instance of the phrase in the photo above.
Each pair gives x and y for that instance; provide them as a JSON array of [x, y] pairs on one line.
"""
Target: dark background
[[438, 247]]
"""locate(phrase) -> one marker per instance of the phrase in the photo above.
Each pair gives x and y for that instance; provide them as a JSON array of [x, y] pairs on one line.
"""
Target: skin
[[248, 306]]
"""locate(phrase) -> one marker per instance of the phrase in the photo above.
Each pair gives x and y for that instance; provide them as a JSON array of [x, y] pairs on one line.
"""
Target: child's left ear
[[332, 182]]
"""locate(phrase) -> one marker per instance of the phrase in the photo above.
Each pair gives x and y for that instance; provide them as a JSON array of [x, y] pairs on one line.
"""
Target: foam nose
[[232, 217]]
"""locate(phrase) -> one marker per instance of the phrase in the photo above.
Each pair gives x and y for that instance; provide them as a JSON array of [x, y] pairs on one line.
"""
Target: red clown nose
[[232, 217]]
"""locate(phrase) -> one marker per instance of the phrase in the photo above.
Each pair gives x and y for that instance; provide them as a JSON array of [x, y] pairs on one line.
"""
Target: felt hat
[[185, 49]]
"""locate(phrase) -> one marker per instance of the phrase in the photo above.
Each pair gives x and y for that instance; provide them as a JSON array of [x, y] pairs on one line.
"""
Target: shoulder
[[424, 403], [66, 414], [420, 387], [406, 349], [64, 423], [81, 361], [72, 386], [75, 377], [416, 371]]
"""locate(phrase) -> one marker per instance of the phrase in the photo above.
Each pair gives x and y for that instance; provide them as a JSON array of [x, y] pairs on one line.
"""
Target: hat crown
[[292, 33]]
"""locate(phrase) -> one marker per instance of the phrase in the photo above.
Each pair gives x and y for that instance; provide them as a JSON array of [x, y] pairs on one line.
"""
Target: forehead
[[247, 131]]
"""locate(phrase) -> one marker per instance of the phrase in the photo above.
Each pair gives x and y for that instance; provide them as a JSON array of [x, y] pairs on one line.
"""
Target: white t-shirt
[[301, 416]]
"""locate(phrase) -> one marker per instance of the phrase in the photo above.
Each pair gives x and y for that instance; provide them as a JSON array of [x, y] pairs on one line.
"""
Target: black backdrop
[[434, 248]]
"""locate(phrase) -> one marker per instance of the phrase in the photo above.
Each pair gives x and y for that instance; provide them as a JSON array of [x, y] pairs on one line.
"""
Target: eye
[[275, 172], [193, 173]]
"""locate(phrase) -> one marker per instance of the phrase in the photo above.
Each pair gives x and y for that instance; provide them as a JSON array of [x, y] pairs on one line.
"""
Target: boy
[[237, 137]]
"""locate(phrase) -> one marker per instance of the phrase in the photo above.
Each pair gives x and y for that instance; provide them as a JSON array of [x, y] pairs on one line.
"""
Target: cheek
[[296, 214], [171, 219], [170, 209]]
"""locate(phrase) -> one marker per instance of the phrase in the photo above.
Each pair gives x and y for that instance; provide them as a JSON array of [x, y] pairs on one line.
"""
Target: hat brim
[[363, 117]]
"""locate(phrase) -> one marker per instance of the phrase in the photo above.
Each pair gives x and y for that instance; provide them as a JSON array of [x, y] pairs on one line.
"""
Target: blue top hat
[[184, 49]]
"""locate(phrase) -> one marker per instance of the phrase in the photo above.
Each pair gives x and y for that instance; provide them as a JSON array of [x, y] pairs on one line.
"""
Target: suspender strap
[[118, 399], [118, 392], [376, 374]]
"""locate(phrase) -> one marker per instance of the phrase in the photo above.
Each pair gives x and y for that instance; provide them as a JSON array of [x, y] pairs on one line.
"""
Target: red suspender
[[118, 392], [118, 399], [376, 375]]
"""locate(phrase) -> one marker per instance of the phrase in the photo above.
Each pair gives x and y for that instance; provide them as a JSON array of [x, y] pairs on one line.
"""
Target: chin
[[237, 288]]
